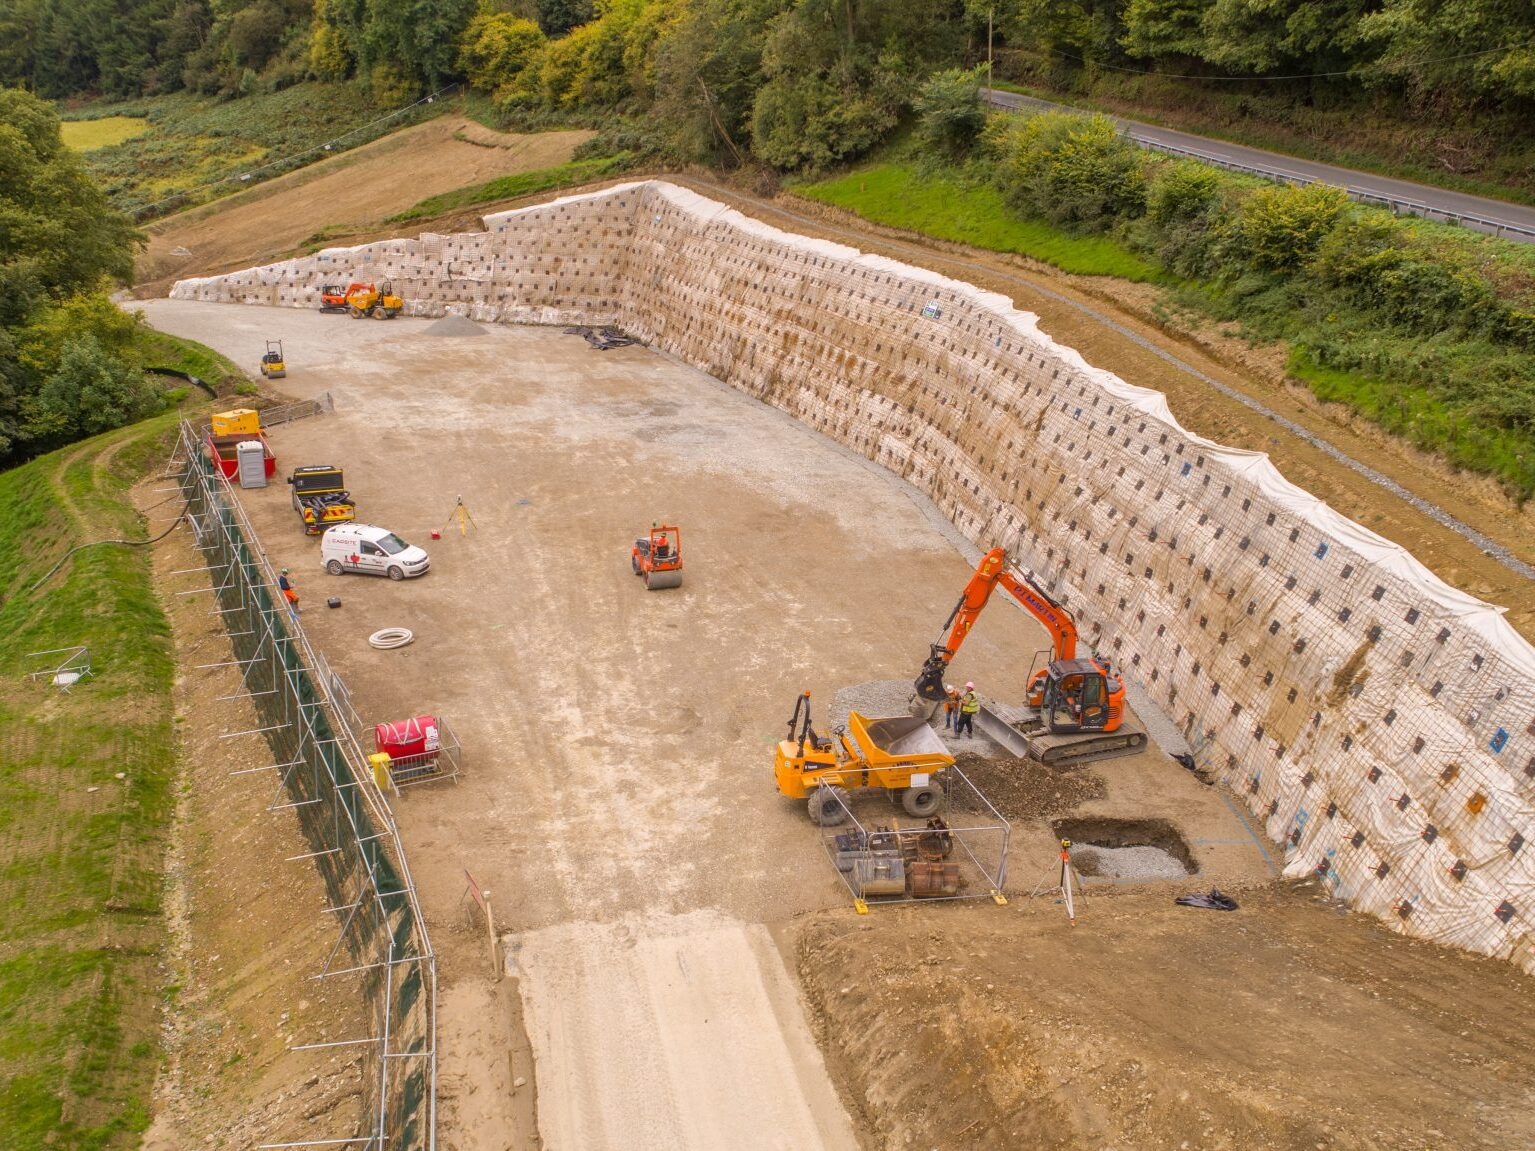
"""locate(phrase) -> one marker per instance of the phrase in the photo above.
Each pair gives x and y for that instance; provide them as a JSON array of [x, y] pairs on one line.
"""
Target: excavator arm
[[992, 571]]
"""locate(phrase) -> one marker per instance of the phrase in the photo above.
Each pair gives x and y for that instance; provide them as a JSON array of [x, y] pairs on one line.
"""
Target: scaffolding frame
[[306, 717]]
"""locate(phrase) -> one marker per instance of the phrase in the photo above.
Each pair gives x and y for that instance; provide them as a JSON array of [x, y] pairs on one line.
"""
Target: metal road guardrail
[[1397, 204]]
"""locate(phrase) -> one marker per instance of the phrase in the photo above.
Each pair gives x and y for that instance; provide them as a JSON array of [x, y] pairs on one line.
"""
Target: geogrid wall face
[[1378, 722]]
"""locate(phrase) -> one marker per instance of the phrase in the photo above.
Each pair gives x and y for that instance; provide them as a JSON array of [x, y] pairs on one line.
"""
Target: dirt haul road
[[618, 799]]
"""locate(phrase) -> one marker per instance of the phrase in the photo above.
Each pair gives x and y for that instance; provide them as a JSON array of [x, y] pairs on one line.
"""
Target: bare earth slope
[[1287, 1025], [357, 190]]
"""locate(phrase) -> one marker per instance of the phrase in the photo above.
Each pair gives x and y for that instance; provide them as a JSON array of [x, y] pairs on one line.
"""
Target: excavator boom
[[1077, 704], [991, 572]]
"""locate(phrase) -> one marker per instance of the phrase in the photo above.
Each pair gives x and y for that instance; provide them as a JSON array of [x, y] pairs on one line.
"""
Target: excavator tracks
[[1022, 738], [1069, 750]]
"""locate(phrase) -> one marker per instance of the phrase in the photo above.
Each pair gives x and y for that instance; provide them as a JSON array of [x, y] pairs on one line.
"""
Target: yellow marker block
[[861, 906], [380, 761], [998, 898]]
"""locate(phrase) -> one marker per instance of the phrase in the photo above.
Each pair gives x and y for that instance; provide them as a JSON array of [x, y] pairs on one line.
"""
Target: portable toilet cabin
[[251, 465]]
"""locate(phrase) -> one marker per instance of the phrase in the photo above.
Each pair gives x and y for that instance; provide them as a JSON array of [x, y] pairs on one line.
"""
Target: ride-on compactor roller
[[658, 557], [273, 366], [900, 754]]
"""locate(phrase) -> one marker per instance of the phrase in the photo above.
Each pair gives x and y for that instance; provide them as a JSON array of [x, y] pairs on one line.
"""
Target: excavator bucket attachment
[[929, 684], [656, 580]]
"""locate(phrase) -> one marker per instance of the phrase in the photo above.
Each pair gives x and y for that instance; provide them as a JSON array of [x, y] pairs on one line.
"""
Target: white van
[[372, 550]]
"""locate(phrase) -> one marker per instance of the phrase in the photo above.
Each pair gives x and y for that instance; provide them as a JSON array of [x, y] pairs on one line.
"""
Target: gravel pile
[[1022, 788], [886, 697], [454, 326], [1127, 862], [879, 697]]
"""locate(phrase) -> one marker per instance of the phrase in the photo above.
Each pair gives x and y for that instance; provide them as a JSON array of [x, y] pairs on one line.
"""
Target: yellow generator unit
[[238, 422]]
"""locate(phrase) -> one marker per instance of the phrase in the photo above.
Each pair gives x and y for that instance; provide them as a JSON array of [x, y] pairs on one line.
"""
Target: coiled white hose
[[391, 637]]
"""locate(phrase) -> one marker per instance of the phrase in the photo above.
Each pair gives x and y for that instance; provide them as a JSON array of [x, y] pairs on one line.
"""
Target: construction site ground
[[685, 968]]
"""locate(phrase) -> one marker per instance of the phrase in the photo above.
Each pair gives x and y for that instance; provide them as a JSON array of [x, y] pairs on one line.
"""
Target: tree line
[[66, 364], [796, 82]]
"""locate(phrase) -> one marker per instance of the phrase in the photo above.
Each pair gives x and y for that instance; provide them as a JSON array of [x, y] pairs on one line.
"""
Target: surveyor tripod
[[1066, 880]]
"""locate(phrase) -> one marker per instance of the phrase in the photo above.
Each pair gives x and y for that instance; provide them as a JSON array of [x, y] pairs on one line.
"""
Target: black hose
[[125, 543], [195, 381]]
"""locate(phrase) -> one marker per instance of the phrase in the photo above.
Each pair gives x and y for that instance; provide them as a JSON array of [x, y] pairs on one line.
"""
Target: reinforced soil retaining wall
[[1379, 723]]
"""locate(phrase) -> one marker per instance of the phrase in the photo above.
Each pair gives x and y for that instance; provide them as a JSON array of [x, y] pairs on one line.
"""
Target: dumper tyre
[[921, 802], [827, 806], [396, 573], [354, 312], [380, 312]]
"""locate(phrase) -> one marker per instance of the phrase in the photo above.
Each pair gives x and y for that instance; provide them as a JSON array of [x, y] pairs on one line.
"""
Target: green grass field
[[86, 135], [511, 187], [946, 207], [81, 850], [196, 148]]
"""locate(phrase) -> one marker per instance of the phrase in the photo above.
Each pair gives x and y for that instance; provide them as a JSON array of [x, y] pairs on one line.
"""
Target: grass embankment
[[511, 187], [85, 798], [196, 148], [1423, 332], [900, 194], [153, 349]]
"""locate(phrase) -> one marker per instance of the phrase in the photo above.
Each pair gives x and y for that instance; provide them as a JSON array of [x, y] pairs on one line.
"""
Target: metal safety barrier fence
[[319, 772]]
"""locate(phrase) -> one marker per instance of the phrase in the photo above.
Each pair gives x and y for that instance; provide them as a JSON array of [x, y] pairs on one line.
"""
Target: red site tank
[[408, 737]]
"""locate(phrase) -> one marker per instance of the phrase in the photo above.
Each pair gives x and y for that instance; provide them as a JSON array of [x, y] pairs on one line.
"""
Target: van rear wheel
[[334, 567], [396, 573]]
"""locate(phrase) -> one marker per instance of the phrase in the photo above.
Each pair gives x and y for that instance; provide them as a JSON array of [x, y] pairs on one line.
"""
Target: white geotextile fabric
[[1255, 467]]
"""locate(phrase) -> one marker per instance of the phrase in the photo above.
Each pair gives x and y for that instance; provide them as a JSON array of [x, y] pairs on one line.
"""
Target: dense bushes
[[1069, 169], [1416, 325]]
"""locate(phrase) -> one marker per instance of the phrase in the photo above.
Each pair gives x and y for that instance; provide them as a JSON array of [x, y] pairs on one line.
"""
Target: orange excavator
[[1077, 705]]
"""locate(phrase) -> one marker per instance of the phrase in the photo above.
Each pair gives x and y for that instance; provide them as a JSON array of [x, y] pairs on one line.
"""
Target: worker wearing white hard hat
[[950, 706]]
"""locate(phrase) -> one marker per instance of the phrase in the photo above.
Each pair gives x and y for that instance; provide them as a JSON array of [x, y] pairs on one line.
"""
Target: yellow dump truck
[[898, 753]]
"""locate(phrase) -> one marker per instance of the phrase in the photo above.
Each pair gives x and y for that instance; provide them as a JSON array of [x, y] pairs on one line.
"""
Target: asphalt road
[[1512, 221]]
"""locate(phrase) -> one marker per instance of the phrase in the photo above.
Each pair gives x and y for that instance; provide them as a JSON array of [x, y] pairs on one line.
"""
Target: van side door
[[371, 558]]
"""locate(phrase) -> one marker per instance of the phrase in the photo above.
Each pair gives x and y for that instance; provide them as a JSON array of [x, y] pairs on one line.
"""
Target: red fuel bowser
[[408, 738], [414, 750]]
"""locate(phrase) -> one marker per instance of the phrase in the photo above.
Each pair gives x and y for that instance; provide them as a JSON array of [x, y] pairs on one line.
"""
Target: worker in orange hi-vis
[[289, 593], [950, 706]]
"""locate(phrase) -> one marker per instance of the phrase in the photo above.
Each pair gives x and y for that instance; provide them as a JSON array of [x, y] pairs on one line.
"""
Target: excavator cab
[[1077, 696], [333, 297]]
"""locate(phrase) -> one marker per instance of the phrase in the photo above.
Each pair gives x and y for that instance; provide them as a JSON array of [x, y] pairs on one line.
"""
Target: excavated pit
[[1127, 848], [1375, 720]]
